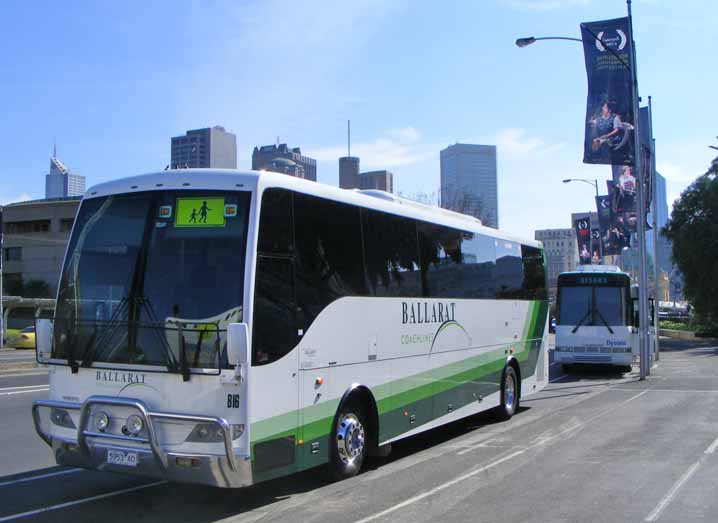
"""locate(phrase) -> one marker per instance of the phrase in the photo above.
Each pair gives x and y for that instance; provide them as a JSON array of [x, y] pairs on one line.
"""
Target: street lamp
[[593, 182], [523, 42]]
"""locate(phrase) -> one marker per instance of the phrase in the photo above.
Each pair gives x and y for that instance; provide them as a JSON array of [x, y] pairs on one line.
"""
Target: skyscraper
[[382, 180], [211, 147], [468, 181], [266, 154], [349, 172], [60, 182]]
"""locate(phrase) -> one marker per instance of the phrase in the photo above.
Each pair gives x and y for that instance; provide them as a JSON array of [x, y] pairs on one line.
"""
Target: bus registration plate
[[119, 457]]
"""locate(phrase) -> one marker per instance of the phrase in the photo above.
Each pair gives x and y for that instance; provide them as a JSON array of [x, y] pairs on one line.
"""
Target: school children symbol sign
[[609, 105]]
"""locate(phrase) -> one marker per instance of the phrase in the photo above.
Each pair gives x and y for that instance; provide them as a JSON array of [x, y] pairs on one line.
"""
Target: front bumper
[[89, 449], [603, 357]]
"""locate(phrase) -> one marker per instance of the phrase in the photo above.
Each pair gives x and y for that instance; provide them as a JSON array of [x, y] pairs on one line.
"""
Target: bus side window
[[478, 269], [509, 270], [274, 332], [534, 283]]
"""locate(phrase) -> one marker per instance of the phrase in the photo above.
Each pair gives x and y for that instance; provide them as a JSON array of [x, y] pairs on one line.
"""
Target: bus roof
[[231, 179], [595, 269]]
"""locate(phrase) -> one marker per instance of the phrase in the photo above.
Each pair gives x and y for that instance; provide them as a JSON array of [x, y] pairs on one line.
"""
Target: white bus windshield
[[592, 305], [152, 278]]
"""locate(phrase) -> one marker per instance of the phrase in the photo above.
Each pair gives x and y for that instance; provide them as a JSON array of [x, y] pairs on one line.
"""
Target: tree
[[693, 229]]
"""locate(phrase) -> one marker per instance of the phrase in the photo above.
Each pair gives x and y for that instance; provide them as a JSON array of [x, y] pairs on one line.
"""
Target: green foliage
[[693, 229], [674, 325]]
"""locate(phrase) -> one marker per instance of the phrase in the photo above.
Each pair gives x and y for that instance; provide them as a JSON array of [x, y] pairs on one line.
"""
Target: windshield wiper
[[585, 317], [604, 321]]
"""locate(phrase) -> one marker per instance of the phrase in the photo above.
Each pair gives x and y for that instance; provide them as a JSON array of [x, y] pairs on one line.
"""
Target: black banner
[[609, 104], [583, 238], [613, 238], [596, 247]]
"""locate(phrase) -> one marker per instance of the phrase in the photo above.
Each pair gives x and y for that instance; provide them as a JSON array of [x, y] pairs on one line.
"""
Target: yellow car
[[25, 339]]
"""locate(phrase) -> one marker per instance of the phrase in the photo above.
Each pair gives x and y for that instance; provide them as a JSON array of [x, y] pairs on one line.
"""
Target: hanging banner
[[609, 105], [596, 247], [625, 184], [583, 239]]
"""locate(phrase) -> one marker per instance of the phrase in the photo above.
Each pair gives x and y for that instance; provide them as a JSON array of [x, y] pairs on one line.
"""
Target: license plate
[[120, 457]]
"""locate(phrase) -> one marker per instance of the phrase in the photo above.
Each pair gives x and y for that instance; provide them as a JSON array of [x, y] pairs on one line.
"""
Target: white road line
[[493, 464], [24, 391], [78, 502], [41, 476], [19, 387], [32, 373], [653, 516]]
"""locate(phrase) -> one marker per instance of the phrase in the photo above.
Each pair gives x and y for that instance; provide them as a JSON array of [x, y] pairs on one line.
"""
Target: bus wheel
[[509, 394], [348, 442]]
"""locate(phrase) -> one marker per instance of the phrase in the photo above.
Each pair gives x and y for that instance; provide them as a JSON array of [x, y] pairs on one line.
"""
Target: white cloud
[[6, 199], [515, 141], [393, 148], [543, 5]]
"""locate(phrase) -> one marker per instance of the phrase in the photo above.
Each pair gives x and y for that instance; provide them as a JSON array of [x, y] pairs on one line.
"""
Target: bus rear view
[[594, 318]]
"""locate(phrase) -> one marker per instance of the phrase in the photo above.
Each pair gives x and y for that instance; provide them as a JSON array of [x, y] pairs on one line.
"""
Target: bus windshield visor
[[153, 278]]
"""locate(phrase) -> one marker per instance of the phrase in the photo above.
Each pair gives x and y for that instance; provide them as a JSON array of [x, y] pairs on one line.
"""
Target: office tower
[[382, 180], [349, 172], [211, 147], [468, 181], [263, 155], [60, 182]]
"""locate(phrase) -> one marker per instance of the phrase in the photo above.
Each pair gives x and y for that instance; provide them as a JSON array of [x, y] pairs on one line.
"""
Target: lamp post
[[643, 333], [593, 182]]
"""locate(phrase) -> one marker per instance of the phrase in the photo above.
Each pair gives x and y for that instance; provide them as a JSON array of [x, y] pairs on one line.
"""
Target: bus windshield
[[592, 305], [153, 278]]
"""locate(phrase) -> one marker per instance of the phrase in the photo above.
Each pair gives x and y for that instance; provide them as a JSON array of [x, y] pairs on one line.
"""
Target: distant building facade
[[349, 172], [382, 180], [211, 147], [35, 238], [469, 181], [561, 251], [284, 166], [61, 183], [262, 156]]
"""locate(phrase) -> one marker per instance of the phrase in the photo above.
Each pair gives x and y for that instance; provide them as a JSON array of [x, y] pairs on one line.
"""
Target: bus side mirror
[[43, 340], [237, 344]]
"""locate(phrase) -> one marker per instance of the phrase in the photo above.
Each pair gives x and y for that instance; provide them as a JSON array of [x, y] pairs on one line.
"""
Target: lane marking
[[45, 389], [712, 448], [653, 516], [493, 464], [78, 501], [42, 476], [25, 387], [29, 373]]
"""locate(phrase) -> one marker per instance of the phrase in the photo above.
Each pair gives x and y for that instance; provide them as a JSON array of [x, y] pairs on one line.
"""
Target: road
[[9, 357], [593, 446]]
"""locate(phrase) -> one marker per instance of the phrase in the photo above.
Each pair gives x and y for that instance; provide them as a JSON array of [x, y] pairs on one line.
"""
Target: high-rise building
[[285, 166], [211, 147], [382, 180], [663, 246], [349, 172], [468, 181], [262, 156], [60, 182], [561, 253]]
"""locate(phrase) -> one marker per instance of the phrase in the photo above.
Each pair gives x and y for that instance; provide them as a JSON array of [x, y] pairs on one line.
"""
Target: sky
[[111, 82]]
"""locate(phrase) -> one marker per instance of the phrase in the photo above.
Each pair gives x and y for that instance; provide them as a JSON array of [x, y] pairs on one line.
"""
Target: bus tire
[[348, 441], [509, 394], [625, 369]]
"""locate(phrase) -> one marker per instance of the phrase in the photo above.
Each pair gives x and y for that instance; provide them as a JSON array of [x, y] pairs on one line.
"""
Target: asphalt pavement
[[593, 446]]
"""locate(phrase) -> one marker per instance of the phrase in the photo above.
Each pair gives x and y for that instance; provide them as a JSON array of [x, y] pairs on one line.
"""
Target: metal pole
[[641, 233], [654, 224]]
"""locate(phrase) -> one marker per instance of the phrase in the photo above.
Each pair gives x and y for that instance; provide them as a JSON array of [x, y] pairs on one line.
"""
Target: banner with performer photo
[[583, 239], [609, 105], [596, 247]]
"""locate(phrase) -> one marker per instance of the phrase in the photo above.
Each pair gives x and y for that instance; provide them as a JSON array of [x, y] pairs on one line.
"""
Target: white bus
[[595, 318], [226, 327]]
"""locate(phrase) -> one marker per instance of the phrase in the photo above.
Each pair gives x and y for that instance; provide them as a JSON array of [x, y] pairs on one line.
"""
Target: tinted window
[[509, 270], [329, 258], [275, 223], [479, 266], [534, 286], [392, 255], [274, 332], [440, 251]]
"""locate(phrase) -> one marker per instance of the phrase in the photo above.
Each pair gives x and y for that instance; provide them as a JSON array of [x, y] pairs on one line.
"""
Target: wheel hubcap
[[350, 438], [509, 393]]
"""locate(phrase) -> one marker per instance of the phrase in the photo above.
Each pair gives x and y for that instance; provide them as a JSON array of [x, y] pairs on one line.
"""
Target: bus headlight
[[212, 433], [102, 421], [134, 424], [61, 418]]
